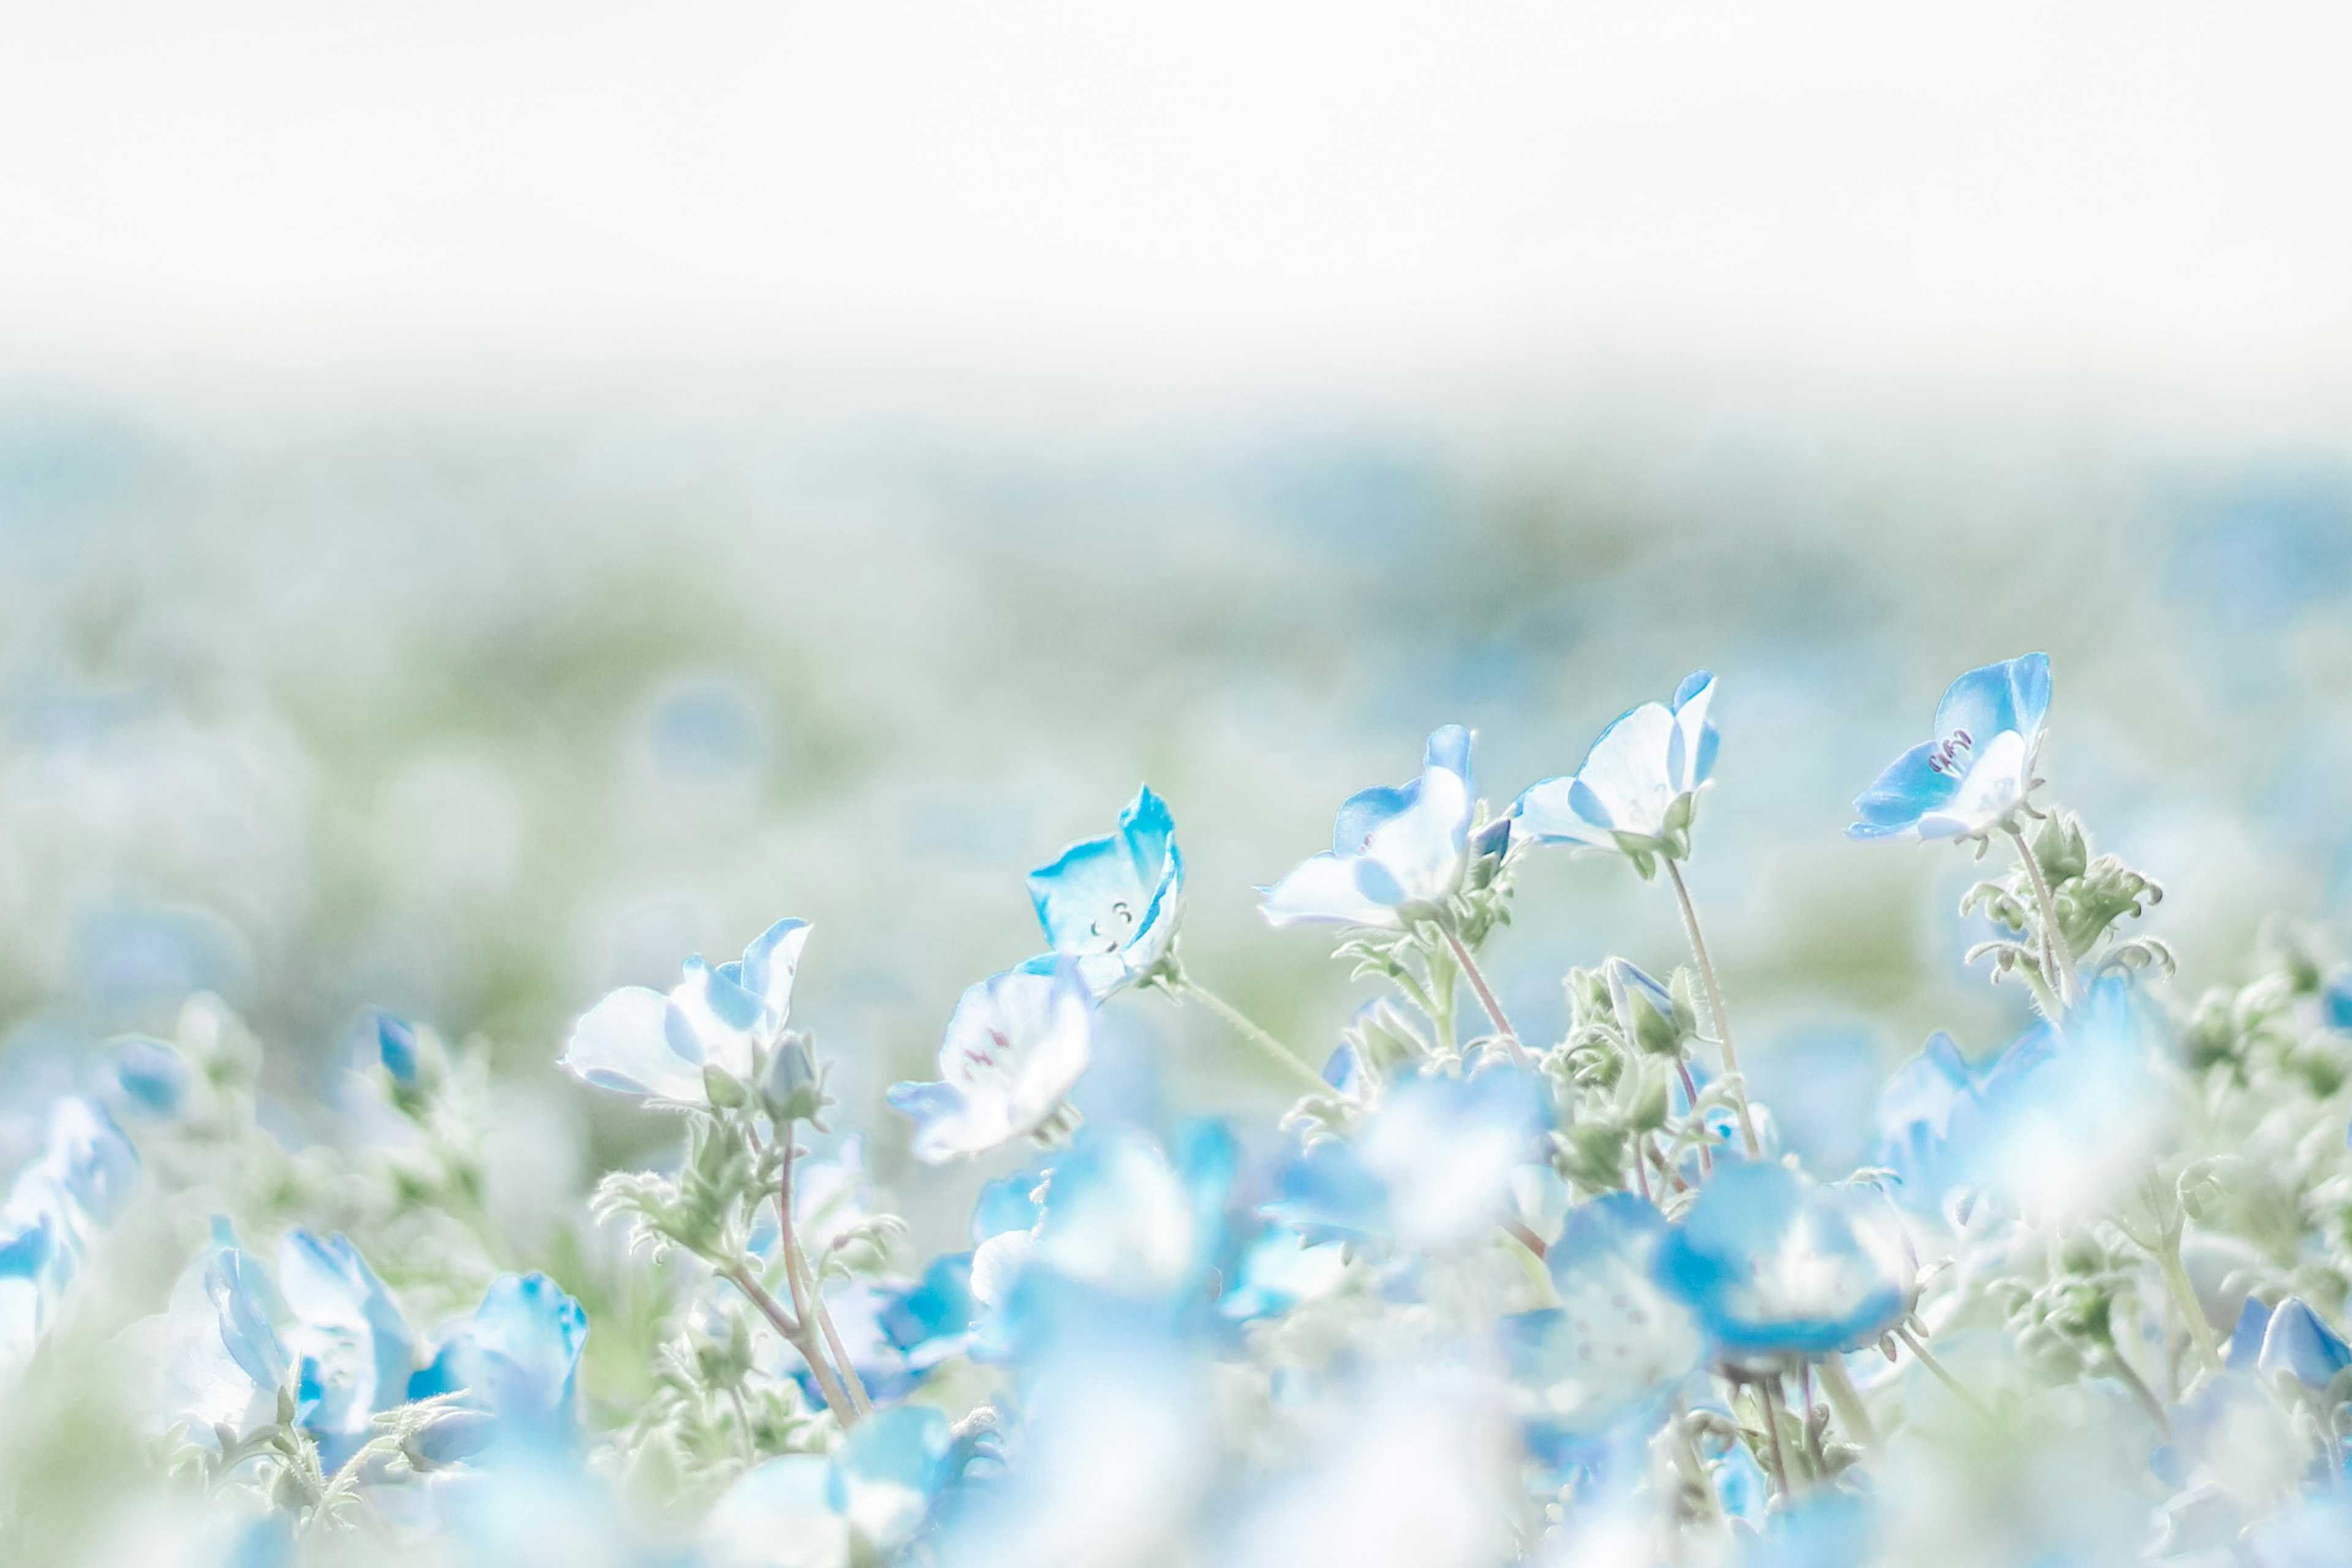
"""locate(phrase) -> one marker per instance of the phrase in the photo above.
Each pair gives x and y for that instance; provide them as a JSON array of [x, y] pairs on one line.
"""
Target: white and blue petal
[[1618, 1343], [887, 1472], [624, 1043], [768, 968], [1649, 758], [2299, 1344], [353, 1352], [517, 1356], [1774, 1266], [1016, 1045], [1112, 902], [1390, 848], [1970, 775]]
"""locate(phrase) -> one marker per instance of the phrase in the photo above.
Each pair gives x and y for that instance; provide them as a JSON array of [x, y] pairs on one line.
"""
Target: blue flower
[[517, 1356], [222, 1358], [1619, 1343], [1978, 768], [1392, 850], [2288, 1340], [1928, 1117], [1774, 1265], [153, 1079], [1433, 1168], [353, 1353], [1016, 1045], [867, 1501], [638, 1041], [1125, 1235], [1635, 789], [2051, 1127], [1112, 902], [395, 1047]]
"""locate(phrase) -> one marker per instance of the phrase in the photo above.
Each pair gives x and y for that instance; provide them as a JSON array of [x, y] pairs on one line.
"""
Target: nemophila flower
[[1112, 902], [1392, 850], [2052, 1127], [353, 1352], [1639, 782], [152, 1078], [1280, 1270], [2288, 1340], [1977, 770], [1774, 1265], [1015, 1047], [1125, 1234], [867, 1501], [517, 1357], [1434, 1166], [638, 1041], [220, 1358], [392, 1043], [1617, 1345]]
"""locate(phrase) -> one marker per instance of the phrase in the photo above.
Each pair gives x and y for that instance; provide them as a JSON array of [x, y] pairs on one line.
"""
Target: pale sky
[[1250, 181]]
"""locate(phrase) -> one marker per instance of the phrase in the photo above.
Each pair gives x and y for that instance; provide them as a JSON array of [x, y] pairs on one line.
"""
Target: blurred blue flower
[[353, 1353], [1973, 775], [221, 1359], [152, 1078], [2288, 1340], [1125, 1235], [1634, 790], [393, 1044], [638, 1041], [1828, 1530], [2047, 1127], [1016, 1045], [1433, 1168], [1112, 902], [1619, 1343], [1927, 1116], [1776, 1266], [1392, 850], [517, 1356], [866, 1502]]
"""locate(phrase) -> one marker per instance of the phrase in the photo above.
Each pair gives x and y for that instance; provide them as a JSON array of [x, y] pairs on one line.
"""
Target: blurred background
[[497, 498]]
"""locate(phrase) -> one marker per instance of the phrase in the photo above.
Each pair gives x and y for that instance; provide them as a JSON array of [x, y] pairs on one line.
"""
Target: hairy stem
[[1846, 1400], [799, 1337], [1776, 1400], [1714, 1006], [1487, 999], [2057, 959], [808, 1299], [1943, 1373], [1267, 1046], [2184, 1296], [1690, 1098]]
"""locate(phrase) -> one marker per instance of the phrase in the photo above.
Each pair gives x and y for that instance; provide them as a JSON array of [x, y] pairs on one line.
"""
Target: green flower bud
[[790, 1090], [724, 1089]]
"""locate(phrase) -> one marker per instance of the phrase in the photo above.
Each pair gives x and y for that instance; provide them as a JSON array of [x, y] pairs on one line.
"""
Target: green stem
[[1943, 1373], [2184, 1296], [1272, 1049], [2057, 959], [1487, 999], [1714, 1006], [1846, 1399]]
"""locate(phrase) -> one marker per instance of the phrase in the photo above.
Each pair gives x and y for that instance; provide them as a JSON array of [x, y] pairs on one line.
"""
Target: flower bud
[[722, 1089], [789, 1090]]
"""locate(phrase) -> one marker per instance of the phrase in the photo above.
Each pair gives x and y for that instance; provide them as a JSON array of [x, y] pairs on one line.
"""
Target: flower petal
[[769, 965], [1548, 810], [623, 1043], [1626, 771], [1907, 791], [1324, 890]]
